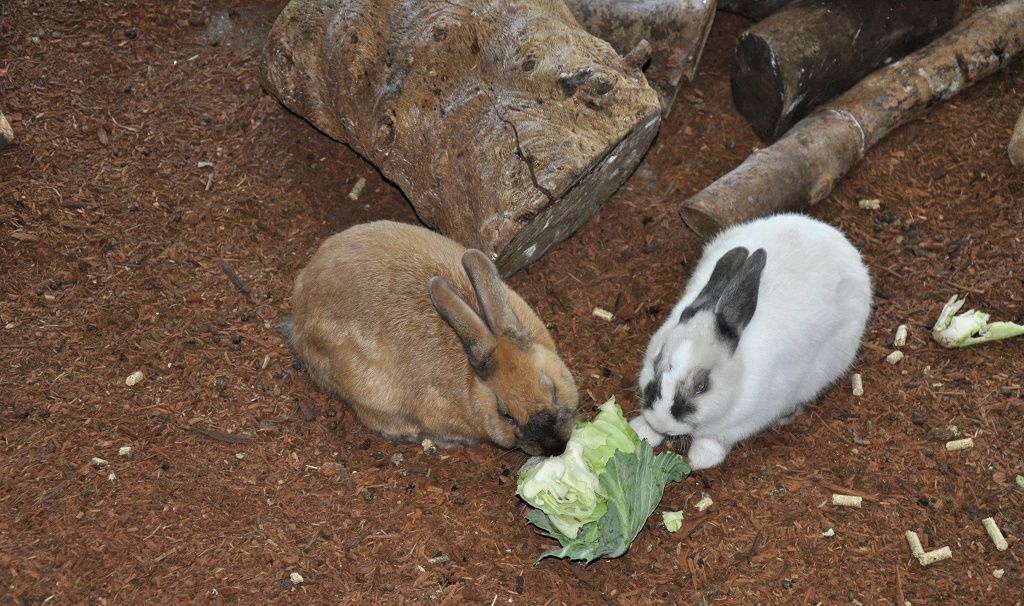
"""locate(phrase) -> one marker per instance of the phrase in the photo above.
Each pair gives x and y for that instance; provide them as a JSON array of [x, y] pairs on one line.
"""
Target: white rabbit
[[773, 314]]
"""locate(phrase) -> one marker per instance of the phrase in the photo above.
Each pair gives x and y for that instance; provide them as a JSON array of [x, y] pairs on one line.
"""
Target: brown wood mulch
[[119, 252]]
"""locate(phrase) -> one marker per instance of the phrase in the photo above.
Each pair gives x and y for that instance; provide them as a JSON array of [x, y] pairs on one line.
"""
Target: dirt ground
[[148, 157]]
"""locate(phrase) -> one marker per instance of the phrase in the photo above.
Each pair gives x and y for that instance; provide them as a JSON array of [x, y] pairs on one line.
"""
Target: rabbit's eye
[[702, 386], [504, 414]]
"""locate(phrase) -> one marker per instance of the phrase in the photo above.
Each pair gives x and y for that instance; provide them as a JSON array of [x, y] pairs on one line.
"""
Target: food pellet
[[901, 336], [604, 314], [963, 444], [871, 204], [357, 189], [915, 544], [895, 357], [995, 534], [845, 500], [935, 555], [858, 384], [134, 379]]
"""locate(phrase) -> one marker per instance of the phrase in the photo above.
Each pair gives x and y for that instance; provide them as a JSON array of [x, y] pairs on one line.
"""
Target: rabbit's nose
[[543, 434], [554, 446]]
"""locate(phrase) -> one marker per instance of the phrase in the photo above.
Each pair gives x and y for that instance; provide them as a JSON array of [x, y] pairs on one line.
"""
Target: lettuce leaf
[[565, 489], [607, 433], [634, 484]]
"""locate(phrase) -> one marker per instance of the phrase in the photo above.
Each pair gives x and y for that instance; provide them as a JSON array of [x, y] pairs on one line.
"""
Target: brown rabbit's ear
[[477, 339], [490, 294]]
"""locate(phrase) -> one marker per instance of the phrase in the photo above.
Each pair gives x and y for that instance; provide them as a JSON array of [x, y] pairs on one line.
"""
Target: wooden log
[[1016, 147], [675, 29], [803, 166], [752, 9], [503, 121], [6, 132], [812, 50]]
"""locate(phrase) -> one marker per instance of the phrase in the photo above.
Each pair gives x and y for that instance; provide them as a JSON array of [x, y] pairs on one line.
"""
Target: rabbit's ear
[[490, 294], [477, 339], [739, 300], [725, 270]]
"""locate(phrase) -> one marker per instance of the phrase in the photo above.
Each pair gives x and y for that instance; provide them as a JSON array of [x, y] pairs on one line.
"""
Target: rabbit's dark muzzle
[[546, 434]]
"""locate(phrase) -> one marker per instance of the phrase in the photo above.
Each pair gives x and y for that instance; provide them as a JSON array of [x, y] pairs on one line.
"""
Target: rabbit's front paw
[[645, 431], [705, 453]]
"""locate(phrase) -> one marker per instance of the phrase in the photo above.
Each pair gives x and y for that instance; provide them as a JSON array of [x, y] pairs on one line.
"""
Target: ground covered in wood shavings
[[115, 250]]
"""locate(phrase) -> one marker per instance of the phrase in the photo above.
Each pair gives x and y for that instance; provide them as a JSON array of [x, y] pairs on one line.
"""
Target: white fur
[[812, 308]]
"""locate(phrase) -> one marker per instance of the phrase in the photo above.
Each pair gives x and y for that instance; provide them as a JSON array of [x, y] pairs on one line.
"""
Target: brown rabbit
[[423, 346]]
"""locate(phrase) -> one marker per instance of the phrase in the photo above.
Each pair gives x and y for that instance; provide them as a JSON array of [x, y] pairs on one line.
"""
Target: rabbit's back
[[366, 330], [813, 304], [361, 302]]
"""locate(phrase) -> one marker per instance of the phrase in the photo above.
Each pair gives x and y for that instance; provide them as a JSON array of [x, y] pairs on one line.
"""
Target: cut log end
[[558, 221], [812, 50], [493, 117], [803, 166], [701, 222], [757, 86]]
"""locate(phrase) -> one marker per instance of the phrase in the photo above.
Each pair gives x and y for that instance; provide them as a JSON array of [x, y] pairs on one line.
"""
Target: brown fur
[[366, 330]]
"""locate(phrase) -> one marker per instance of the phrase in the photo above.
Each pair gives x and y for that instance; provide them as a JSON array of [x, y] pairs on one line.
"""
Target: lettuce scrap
[[598, 521], [971, 327], [673, 520]]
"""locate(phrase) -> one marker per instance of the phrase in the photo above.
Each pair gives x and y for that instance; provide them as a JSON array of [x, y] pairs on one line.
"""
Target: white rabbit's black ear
[[739, 300], [721, 276], [490, 294], [477, 339]]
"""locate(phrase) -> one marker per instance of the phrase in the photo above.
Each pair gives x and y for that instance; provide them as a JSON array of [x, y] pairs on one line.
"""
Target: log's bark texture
[[803, 166], [503, 121], [676, 30], [752, 9], [812, 50], [6, 133], [1016, 147]]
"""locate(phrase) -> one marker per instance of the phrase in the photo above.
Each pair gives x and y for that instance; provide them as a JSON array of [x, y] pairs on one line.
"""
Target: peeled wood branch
[[803, 166], [811, 50], [675, 29], [503, 121]]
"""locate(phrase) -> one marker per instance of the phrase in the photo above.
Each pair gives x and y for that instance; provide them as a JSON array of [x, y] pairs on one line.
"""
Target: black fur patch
[[681, 407], [650, 392], [698, 377]]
